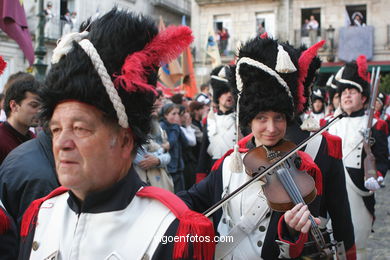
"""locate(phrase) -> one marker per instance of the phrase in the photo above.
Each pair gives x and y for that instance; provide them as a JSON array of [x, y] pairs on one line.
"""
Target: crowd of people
[[97, 163]]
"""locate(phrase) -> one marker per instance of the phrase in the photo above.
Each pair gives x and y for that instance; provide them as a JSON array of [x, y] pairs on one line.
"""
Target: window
[[310, 26], [265, 22], [223, 28], [356, 15]]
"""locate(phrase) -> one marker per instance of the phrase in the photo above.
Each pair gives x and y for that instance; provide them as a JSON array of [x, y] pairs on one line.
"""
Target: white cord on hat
[[345, 81], [65, 45], [107, 82], [264, 68]]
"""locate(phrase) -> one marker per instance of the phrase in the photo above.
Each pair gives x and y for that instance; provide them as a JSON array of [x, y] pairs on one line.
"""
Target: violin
[[285, 186], [259, 174]]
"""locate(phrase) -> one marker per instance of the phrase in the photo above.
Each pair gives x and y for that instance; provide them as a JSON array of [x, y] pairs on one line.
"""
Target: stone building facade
[[170, 10], [284, 19]]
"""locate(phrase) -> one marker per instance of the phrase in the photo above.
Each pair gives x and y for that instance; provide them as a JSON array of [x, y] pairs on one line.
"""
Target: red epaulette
[[334, 145], [30, 215], [312, 169], [5, 221], [381, 125], [190, 223], [242, 143], [323, 122]]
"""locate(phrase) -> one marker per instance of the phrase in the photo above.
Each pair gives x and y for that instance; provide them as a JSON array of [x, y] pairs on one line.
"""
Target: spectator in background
[[260, 29], [49, 17], [357, 18], [152, 158], [313, 29], [305, 28], [204, 95], [171, 124], [73, 18], [223, 38], [66, 22], [3, 117], [179, 99], [21, 107]]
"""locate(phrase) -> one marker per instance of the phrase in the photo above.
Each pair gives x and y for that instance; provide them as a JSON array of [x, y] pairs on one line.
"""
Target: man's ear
[[364, 99], [127, 142], [13, 106]]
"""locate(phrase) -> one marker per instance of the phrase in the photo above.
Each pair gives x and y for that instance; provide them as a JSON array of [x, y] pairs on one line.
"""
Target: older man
[[103, 210]]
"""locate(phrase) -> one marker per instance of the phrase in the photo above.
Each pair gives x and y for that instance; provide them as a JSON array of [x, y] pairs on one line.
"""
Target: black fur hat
[[219, 82], [331, 87], [119, 37], [354, 75], [318, 93], [273, 77]]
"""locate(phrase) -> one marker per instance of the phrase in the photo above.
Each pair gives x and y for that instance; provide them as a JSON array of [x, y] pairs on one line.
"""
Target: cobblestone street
[[379, 241]]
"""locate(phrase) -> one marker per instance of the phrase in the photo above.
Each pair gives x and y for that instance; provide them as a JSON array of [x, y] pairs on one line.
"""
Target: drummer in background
[[267, 103]]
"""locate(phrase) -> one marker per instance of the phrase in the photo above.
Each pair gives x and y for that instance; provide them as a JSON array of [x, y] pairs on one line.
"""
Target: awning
[[333, 67]]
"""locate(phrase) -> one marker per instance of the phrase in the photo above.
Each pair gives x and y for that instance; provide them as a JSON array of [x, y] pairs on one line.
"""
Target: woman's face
[[173, 116], [268, 128], [318, 105]]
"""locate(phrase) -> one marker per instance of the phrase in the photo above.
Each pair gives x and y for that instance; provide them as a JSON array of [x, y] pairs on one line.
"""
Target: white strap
[[354, 187], [313, 146], [242, 229]]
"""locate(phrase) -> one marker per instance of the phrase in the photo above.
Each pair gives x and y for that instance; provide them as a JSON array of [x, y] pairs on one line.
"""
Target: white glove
[[371, 184], [380, 179]]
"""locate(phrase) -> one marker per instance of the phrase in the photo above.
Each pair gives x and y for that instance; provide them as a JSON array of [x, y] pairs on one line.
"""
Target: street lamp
[[330, 36], [40, 50]]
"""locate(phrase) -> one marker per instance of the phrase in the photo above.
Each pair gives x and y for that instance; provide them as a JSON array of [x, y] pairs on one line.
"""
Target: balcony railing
[[182, 7]]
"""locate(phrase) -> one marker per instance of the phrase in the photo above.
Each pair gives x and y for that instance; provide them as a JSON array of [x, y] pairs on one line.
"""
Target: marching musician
[[266, 104], [354, 89]]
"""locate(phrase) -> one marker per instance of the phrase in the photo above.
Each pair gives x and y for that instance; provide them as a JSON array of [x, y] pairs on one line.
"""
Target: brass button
[[262, 228], [35, 245], [259, 243]]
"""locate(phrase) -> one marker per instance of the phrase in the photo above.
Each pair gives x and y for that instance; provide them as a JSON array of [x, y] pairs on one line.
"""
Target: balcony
[[206, 2], [181, 7]]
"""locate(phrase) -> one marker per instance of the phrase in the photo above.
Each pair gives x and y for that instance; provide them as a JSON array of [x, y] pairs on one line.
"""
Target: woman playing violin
[[266, 77]]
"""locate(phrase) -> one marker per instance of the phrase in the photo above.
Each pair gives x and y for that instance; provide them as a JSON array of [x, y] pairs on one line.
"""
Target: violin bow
[[259, 175]]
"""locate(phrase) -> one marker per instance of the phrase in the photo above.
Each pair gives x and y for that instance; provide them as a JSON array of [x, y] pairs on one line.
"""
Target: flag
[[170, 73], [188, 68], [212, 47], [14, 23], [347, 19]]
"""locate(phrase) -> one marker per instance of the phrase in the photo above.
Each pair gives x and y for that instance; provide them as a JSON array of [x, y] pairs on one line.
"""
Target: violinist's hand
[[297, 218]]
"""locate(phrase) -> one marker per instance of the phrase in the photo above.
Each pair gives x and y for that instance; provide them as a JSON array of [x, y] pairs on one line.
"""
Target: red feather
[[361, 62], [303, 63], [264, 35], [166, 46], [3, 64]]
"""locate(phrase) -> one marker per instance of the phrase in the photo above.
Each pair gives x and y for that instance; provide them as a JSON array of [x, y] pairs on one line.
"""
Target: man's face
[[352, 100], [90, 154], [26, 112], [226, 101]]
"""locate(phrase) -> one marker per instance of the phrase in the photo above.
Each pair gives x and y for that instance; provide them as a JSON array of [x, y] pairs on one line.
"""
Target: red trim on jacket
[[29, 219], [381, 125], [190, 222], [296, 247]]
